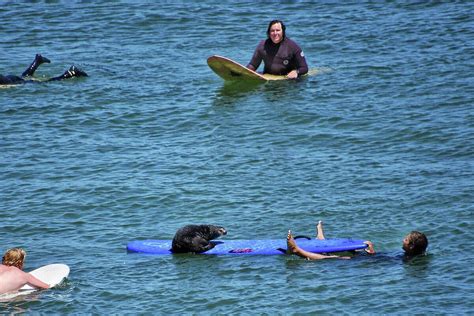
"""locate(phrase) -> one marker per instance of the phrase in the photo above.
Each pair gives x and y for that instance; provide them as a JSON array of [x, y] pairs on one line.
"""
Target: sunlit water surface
[[378, 143]]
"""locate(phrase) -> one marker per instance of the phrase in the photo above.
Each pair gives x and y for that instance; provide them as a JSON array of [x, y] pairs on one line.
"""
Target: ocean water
[[378, 143]]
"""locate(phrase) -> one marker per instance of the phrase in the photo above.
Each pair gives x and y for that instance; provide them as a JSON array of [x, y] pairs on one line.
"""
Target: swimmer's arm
[[302, 69], [301, 65], [256, 58], [316, 256], [36, 282]]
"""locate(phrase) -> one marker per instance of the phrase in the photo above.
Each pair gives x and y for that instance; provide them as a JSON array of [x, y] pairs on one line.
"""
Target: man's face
[[276, 33]]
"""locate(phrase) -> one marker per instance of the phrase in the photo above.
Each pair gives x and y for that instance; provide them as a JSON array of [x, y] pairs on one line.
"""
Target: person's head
[[14, 257], [276, 31], [415, 243]]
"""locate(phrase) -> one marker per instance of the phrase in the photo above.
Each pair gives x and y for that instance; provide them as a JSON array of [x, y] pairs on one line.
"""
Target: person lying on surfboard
[[72, 72], [12, 276], [414, 244], [281, 55]]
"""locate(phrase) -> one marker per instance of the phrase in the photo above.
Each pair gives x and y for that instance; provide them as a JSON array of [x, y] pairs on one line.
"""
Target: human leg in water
[[10, 79], [320, 235], [294, 249], [34, 65], [72, 72]]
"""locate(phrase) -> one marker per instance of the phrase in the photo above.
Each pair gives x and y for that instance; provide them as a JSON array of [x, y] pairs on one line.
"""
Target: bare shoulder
[[4, 268], [13, 273]]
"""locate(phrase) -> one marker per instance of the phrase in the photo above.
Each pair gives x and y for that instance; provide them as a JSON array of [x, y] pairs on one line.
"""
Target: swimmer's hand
[[370, 249], [292, 74]]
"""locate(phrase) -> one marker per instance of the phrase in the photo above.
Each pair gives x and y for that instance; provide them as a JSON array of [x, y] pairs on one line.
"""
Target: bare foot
[[320, 232], [293, 249], [290, 244]]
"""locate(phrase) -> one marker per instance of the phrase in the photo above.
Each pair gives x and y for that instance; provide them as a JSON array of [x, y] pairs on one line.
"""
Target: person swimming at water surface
[[414, 244], [12, 276], [72, 72], [281, 55]]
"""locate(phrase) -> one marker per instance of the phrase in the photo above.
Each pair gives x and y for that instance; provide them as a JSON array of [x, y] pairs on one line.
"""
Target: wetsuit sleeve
[[298, 60], [256, 59], [301, 65]]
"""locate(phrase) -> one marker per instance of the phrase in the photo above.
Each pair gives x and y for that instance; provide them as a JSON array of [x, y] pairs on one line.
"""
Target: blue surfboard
[[252, 247]]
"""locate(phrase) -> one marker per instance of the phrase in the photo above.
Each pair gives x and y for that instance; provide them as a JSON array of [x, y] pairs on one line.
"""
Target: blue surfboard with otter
[[252, 247]]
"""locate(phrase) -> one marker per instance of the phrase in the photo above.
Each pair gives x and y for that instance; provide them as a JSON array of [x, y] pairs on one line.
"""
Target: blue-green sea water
[[378, 143]]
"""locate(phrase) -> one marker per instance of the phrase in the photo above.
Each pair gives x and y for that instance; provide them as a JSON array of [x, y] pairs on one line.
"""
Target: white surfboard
[[52, 274]]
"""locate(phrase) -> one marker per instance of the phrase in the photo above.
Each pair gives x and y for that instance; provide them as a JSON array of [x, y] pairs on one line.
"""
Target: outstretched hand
[[370, 249]]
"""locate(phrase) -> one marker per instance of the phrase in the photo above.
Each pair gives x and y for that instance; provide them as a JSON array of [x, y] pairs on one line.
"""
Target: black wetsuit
[[73, 71], [11, 79], [279, 58]]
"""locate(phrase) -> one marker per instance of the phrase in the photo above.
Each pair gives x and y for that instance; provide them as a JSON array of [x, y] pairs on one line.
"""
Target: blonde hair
[[14, 257]]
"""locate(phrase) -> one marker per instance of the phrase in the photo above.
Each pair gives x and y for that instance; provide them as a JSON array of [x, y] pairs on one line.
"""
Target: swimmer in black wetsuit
[[73, 71], [281, 55]]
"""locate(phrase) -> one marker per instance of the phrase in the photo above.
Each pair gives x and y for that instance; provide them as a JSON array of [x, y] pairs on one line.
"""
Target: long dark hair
[[283, 28]]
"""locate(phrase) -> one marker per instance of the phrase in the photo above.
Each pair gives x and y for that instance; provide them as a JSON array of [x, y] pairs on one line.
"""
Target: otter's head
[[216, 231]]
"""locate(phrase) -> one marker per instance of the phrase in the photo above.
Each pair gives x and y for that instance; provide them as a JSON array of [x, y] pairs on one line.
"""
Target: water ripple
[[376, 142]]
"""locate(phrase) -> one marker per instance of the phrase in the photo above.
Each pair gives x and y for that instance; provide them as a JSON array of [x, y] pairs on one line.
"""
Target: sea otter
[[196, 238]]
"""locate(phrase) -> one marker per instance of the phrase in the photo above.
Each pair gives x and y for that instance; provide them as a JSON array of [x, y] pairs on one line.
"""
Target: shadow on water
[[280, 90], [418, 267], [233, 91]]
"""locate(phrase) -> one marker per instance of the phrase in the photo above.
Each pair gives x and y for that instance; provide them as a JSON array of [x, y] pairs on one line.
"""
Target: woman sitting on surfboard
[[12, 276], [281, 55], [415, 243]]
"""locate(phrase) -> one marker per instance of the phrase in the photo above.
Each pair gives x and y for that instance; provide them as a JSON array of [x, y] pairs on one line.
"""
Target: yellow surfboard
[[230, 70]]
